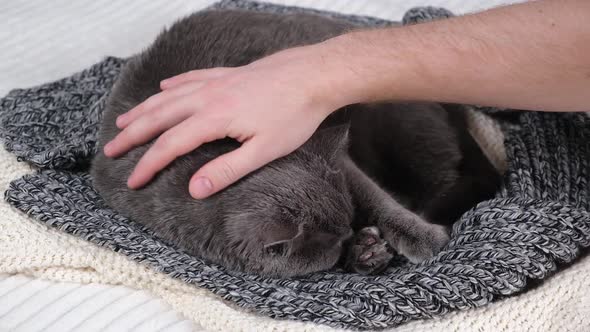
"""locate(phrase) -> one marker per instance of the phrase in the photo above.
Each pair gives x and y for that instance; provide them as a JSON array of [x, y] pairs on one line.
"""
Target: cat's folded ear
[[304, 238], [279, 248], [329, 142], [286, 246]]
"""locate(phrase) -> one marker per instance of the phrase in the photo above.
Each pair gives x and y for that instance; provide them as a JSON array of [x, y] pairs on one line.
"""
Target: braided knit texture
[[537, 222]]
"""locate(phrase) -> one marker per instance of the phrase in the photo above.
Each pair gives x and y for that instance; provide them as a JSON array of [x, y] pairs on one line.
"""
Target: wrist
[[363, 66], [329, 84]]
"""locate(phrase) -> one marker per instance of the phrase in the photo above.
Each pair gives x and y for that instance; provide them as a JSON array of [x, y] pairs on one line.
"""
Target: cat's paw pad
[[424, 244], [368, 252]]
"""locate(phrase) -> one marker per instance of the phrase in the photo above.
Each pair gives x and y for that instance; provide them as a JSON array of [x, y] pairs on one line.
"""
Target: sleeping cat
[[373, 179]]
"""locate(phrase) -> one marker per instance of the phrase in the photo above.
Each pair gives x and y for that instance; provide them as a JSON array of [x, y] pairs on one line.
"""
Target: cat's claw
[[368, 253]]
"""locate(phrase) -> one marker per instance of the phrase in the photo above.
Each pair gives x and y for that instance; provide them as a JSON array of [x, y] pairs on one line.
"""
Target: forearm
[[534, 55]]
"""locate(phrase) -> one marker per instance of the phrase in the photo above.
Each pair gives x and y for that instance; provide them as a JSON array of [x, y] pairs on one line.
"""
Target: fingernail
[[164, 82], [201, 187]]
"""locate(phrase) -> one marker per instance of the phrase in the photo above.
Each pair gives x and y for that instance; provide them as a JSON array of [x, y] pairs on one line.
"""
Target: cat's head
[[292, 216]]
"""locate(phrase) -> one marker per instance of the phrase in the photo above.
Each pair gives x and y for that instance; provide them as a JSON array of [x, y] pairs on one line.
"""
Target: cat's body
[[297, 214]]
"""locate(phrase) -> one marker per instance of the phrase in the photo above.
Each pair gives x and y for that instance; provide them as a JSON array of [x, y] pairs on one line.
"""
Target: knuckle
[[227, 172], [150, 102], [166, 141], [193, 73], [130, 134], [154, 118]]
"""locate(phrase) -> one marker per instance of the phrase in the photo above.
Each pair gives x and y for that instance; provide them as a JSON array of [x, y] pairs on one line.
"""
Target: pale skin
[[534, 55]]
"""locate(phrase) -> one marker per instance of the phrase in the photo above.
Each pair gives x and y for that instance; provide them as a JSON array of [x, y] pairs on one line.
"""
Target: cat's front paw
[[368, 252], [424, 244]]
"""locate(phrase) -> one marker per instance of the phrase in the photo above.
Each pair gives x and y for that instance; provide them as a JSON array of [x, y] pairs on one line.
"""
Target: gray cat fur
[[295, 215]]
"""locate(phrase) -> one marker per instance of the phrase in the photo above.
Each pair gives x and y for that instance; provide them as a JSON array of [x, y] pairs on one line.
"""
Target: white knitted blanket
[[35, 33]]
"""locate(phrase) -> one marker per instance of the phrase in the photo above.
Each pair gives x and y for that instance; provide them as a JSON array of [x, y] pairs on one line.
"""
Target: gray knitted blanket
[[538, 221]]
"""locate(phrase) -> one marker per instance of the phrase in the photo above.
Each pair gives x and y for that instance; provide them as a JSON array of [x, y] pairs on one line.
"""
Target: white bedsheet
[[44, 40]]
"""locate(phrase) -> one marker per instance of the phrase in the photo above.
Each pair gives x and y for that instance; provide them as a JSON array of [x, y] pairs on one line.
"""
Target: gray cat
[[367, 183]]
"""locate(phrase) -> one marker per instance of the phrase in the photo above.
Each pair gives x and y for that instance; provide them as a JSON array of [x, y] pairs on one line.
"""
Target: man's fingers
[[149, 126], [228, 168], [177, 141], [156, 101], [194, 75]]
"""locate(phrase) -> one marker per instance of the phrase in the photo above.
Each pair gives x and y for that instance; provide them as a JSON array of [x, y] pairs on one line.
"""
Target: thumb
[[229, 168]]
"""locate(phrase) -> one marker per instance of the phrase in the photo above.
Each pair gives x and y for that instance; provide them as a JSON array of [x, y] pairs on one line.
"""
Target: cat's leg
[[406, 232]]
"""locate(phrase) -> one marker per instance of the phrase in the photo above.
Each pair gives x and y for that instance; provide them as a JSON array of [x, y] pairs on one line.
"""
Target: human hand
[[271, 106]]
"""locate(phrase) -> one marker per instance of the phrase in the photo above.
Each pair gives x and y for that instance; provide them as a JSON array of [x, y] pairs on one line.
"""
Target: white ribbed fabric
[[28, 304], [55, 282]]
